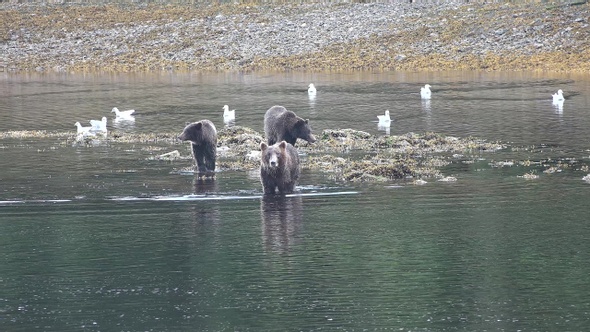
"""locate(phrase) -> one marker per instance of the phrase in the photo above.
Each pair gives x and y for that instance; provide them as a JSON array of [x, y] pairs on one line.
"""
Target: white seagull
[[99, 125], [83, 130], [558, 97], [425, 92], [123, 114], [228, 116], [311, 89], [384, 120]]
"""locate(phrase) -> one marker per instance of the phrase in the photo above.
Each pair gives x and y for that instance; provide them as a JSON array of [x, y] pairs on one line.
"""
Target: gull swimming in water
[[311, 89], [558, 97], [384, 120], [425, 92], [311, 92], [228, 116], [123, 114], [83, 130], [99, 125]]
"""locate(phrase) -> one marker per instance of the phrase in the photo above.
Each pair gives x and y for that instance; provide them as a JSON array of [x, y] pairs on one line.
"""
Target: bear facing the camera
[[279, 168]]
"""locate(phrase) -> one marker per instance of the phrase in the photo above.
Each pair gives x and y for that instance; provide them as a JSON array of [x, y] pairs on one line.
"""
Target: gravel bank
[[295, 37]]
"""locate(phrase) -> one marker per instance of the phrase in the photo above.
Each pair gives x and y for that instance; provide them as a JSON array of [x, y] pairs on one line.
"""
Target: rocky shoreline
[[310, 36]]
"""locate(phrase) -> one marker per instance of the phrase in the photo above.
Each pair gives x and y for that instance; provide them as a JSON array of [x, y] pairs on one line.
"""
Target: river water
[[103, 238]]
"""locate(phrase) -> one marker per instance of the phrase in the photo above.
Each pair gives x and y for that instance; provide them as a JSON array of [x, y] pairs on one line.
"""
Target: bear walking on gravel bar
[[283, 125], [279, 168], [203, 138]]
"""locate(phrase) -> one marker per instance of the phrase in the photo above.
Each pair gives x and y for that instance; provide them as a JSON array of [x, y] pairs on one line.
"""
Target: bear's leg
[[199, 159], [210, 159], [268, 185], [269, 190], [287, 188]]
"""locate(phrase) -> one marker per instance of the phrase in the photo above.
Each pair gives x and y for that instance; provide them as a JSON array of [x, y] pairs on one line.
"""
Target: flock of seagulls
[[385, 120], [100, 126], [426, 94], [229, 117]]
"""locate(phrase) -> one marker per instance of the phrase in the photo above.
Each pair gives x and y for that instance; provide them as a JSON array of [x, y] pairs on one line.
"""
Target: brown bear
[[203, 138], [283, 125], [279, 168]]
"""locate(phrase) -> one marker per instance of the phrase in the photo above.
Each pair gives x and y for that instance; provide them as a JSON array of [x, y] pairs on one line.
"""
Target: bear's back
[[201, 132], [276, 113], [279, 125]]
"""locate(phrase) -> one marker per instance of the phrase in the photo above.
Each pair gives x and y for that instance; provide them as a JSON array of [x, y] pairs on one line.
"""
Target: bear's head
[[303, 130], [192, 132], [273, 156]]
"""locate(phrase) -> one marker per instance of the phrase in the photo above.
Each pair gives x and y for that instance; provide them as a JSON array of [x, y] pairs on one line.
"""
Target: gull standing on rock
[[228, 116], [425, 92], [558, 97], [123, 114]]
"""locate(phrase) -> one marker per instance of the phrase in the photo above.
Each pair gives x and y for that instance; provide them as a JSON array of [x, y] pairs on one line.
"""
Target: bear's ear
[[263, 146], [283, 145], [198, 125]]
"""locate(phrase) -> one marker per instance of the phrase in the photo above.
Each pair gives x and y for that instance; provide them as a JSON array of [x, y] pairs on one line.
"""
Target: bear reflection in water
[[281, 221], [205, 185], [205, 217]]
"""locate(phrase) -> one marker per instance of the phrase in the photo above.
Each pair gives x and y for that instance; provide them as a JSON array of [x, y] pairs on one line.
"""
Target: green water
[[443, 259], [103, 239]]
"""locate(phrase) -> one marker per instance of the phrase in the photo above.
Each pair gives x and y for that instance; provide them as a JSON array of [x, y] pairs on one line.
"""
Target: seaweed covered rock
[[433, 143], [372, 168], [343, 154], [343, 140], [239, 138], [239, 147]]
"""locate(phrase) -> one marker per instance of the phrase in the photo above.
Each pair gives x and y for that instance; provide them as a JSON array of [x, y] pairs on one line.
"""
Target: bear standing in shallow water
[[283, 125], [203, 138], [279, 168]]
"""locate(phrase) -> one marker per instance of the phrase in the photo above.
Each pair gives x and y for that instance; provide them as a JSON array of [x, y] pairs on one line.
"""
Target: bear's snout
[[273, 161]]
